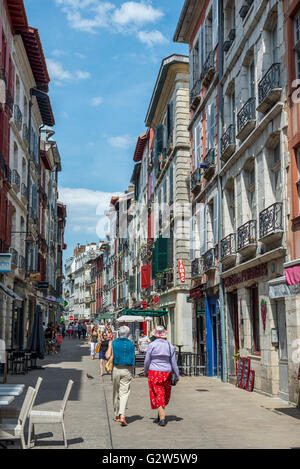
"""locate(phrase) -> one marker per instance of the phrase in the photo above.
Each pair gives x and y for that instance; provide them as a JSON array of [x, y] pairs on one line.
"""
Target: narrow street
[[203, 412]]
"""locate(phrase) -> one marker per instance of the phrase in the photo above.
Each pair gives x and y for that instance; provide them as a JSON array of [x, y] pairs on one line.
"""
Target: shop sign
[[34, 277], [248, 274], [43, 285], [196, 293], [5, 263], [71, 318], [181, 270], [156, 300]]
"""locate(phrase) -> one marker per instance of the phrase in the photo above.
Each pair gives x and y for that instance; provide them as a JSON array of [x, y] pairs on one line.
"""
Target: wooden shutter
[[215, 24], [145, 277], [154, 260], [162, 254], [9, 222], [170, 118], [200, 51], [159, 138], [216, 218], [202, 228]]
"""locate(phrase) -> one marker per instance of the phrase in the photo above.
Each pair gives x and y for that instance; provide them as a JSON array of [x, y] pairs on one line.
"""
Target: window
[[254, 317], [297, 44], [251, 75], [197, 146], [251, 192], [274, 45], [276, 169]]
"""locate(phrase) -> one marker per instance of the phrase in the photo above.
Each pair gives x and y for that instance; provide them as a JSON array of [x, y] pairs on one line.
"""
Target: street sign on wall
[[5, 263]]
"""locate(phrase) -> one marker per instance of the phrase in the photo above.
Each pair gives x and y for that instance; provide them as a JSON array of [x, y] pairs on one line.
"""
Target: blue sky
[[103, 59]]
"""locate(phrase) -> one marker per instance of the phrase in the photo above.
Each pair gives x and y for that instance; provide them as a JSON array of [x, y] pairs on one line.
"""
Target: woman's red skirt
[[160, 388]]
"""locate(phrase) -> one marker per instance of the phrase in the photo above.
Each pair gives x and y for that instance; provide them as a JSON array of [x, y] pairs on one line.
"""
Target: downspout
[[220, 232]]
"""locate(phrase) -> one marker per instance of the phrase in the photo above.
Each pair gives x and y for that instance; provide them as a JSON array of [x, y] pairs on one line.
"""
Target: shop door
[[283, 351], [201, 340]]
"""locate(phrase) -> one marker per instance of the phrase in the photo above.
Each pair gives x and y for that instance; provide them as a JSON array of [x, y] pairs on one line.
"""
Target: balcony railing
[[270, 220], [195, 94], [14, 256], [22, 263], [228, 247], [246, 235], [197, 268], [25, 133], [32, 215], [228, 43], [18, 117], [170, 278], [228, 143], [209, 162], [208, 68], [209, 260], [16, 180], [269, 89], [246, 119], [196, 180]]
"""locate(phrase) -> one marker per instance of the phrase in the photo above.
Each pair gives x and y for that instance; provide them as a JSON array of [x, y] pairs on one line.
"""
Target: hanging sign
[[35, 277], [5, 263], [181, 270]]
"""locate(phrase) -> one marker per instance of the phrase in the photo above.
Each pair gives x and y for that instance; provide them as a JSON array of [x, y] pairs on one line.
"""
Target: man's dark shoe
[[163, 423]]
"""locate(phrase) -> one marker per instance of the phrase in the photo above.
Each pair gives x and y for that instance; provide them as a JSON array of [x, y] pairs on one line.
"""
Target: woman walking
[[124, 361], [93, 339], [104, 347], [159, 363]]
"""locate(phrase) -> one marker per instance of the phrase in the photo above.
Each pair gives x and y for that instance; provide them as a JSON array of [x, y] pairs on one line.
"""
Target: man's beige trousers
[[122, 377]]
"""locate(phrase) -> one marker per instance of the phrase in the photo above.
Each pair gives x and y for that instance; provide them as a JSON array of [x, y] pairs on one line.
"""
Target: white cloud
[[86, 210], [58, 53], [91, 15], [150, 38], [60, 76], [121, 141], [96, 101]]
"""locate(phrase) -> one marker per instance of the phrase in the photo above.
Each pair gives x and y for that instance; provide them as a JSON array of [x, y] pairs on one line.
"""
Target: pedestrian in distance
[[70, 330], [53, 341], [75, 330], [79, 330], [122, 374], [93, 340], [48, 337], [104, 347], [143, 343], [159, 364], [109, 332], [83, 330]]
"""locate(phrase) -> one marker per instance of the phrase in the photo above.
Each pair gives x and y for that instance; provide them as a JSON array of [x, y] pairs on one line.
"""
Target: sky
[[103, 59]]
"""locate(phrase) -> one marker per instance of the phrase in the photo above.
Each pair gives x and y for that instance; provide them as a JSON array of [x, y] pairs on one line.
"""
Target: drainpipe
[[220, 232]]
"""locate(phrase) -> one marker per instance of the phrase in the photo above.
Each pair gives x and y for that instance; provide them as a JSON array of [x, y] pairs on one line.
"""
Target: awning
[[292, 272], [278, 288], [44, 104], [10, 292], [105, 316], [132, 318], [145, 312]]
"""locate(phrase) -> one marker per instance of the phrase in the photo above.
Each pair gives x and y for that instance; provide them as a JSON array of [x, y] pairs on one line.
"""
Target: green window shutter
[[131, 285], [162, 255], [154, 261], [159, 134]]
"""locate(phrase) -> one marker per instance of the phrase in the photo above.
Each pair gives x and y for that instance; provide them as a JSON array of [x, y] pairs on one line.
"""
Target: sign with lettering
[[248, 274], [181, 270], [246, 373], [250, 384], [196, 293], [240, 372], [34, 277], [5, 263]]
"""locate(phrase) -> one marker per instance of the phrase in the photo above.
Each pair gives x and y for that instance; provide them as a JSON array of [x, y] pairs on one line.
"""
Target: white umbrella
[[131, 319]]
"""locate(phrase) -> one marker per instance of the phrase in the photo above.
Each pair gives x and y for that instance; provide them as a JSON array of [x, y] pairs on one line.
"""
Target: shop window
[[254, 318]]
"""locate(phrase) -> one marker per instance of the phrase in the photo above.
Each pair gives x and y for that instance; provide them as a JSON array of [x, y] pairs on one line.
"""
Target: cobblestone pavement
[[203, 412]]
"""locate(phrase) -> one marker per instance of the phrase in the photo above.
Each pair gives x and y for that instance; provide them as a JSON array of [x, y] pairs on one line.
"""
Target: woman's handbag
[[173, 375], [110, 364], [98, 348]]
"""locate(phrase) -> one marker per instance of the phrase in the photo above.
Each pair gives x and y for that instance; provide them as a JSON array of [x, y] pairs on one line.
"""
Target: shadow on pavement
[[133, 418], [295, 413]]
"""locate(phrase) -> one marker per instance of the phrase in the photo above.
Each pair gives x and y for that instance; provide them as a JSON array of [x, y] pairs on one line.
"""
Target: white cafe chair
[[12, 412], [50, 417], [15, 431]]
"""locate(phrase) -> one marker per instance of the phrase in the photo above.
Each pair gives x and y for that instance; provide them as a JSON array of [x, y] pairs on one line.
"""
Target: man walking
[[124, 361]]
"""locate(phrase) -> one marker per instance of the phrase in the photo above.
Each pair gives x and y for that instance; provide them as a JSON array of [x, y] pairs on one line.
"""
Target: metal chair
[[50, 417], [19, 363], [15, 431]]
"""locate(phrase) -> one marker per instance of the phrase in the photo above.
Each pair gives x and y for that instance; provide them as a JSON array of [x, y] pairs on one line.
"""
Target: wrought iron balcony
[[245, 8], [246, 237], [208, 68], [16, 180], [228, 143], [197, 268], [227, 44], [246, 119], [270, 223], [14, 257], [32, 215], [26, 134], [228, 249], [170, 278], [9, 101], [269, 89], [210, 163], [196, 180], [195, 96], [18, 117], [209, 260], [22, 263]]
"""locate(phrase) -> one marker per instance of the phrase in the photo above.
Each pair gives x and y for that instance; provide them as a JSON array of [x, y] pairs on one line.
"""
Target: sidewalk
[[203, 412]]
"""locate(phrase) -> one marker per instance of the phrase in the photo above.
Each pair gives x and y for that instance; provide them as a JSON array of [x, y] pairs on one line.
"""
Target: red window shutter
[[2, 215], [1, 130], [114, 295], [144, 272], [9, 222], [12, 78]]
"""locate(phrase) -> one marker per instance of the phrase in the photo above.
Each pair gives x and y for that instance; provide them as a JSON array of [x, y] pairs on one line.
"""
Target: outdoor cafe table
[[6, 400]]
